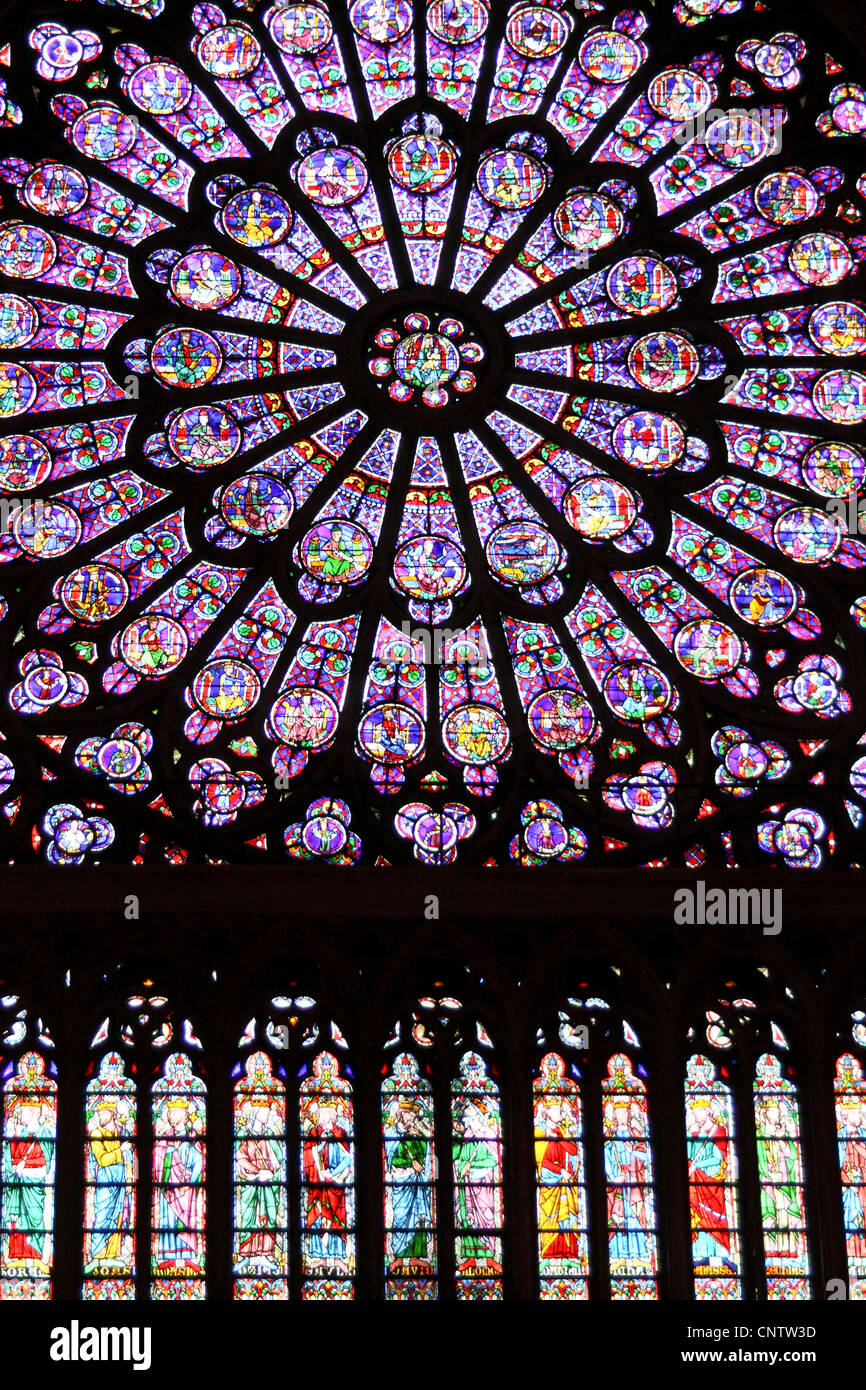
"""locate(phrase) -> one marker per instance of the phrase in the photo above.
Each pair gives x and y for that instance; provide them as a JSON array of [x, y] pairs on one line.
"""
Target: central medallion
[[424, 357]]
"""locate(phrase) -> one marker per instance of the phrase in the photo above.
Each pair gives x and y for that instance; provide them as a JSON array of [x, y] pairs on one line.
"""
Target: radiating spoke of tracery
[[338, 342]]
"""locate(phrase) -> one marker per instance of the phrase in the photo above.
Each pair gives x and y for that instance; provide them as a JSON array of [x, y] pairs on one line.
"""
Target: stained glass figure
[[780, 1165], [260, 1252], [477, 1174], [713, 1183], [410, 1206], [111, 1176], [628, 1166], [850, 1095], [178, 1240], [561, 1197], [28, 1178], [327, 1181]]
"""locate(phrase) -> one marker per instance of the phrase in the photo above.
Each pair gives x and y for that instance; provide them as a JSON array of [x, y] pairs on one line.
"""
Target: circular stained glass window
[[439, 407]]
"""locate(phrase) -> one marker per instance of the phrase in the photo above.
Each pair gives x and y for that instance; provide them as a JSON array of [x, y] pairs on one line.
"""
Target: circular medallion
[[56, 190], [663, 362], [522, 552], [838, 328], [786, 197], [94, 593], [303, 30], [850, 115], [707, 648], [457, 24], [64, 52], [119, 758], [546, 837], [203, 436], [422, 163], [45, 685], [807, 535], [381, 21], [643, 796], [332, 176], [637, 691], [161, 89], [820, 259], [840, 396], [534, 32], [19, 321], [223, 791], [205, 280], [833, 469], [561, 718], [46, 529], [426, 360], [186, 357], [642, 285], [153, 645], [475, 734], [257, 505], [599, 508], [226, 689], [26, 252], [608, 56], [391, 733], [746, 761], [762, 596], [304, 717], [17, 389], [435, 834], [737, 140], [257, 217], [679, 94], [815, 690], [24, 462], [588, 221], [510, 179], [649, 441], [324, 835], [229, 51], [104, 133], [338, 552], [430, 568]]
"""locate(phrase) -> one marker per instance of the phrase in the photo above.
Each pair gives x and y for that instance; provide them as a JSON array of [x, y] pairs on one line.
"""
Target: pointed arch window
[[260, 1252], [179, 1111], [442, 1153], [594, 1166], [145, 1147], [714, 1214], [743, 1139], [628, 1168], [561, 1197], [294, 1156], [780, 1165], [850, 1096], [111, 1182], [408, 1159], [28, 1177]]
